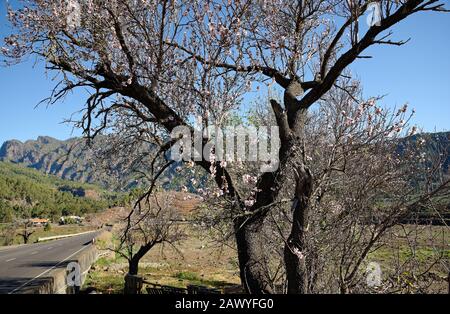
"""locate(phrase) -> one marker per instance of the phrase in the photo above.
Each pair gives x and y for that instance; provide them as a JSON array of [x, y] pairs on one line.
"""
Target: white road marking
[[50, 248], [35, 252], [10, 260], [50, 269]]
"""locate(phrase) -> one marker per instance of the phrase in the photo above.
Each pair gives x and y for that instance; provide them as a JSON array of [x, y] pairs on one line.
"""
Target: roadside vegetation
[[199, 261], [9, 235], [196, 260]]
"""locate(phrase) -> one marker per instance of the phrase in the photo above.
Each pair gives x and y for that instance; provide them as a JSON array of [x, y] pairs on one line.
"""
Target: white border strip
[[63, 236]]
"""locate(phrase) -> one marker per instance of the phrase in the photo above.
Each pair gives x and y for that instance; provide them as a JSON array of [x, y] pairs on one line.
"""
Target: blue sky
[[417, 73]]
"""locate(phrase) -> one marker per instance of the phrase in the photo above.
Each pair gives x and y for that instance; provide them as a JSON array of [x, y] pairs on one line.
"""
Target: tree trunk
[[252, 263], [295, 252], [26, 236], [133, 283], [133, 266]]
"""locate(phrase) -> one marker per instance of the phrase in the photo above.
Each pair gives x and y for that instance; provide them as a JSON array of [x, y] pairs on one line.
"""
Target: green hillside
[[26, 192]]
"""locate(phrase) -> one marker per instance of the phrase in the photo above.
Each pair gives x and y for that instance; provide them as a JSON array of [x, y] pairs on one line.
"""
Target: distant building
[[38, 222], [69, 220]]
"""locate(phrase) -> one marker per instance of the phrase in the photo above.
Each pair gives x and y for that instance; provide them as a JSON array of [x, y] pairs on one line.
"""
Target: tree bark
[[133, 266], [133, 283], [252, 262], [295, 252]]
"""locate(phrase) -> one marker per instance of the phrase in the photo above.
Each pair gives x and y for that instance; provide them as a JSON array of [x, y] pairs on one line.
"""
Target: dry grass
[[195, 260], [55, 230]]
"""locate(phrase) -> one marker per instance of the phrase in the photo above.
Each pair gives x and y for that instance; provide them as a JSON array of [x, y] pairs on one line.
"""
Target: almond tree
[[371, 178], [163, 62], [143, 230], [25, 231]]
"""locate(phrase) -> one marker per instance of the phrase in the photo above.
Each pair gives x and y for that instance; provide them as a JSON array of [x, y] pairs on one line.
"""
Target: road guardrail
[[63, 236]]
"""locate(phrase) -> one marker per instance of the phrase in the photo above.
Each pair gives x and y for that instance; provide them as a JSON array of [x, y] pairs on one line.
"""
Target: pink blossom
[[299, 253], [249, 203], [248, 179], [349, 121]]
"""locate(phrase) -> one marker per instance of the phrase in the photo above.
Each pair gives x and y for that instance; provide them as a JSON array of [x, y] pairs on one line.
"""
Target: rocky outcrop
[[67, 159], [74, 160]]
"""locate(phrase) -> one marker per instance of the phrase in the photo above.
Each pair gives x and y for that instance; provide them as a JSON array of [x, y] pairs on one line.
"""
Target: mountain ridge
[[66, 159], [74, 160], [70, 160]]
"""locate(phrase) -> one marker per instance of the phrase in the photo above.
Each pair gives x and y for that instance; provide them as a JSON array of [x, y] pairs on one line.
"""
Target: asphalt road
[[25, 267]]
